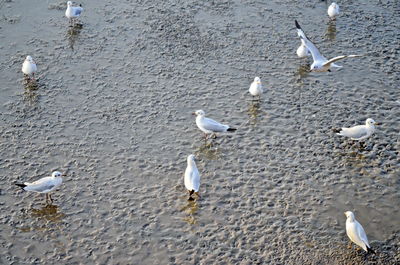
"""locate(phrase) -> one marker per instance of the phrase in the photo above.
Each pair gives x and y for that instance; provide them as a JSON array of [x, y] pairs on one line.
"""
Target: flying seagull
[[209, 126], [192, 177], [356, 233], [44, 185], [320, 64]]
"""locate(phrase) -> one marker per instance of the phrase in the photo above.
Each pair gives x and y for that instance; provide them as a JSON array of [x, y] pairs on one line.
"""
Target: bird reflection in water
[[303, 71], [42, 217], [331, 30], [31, 84], [190, 210], [253, 111], [73, 34], [30, 97], [209, 150]]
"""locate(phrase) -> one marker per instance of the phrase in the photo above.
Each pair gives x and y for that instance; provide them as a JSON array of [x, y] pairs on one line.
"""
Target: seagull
[[29, 67], [192, 177], [210, 126], [320, 64], [356, 233], [73, 11], [359, 132], [333, 10], [44, 185], [256, 87], [302, 51]]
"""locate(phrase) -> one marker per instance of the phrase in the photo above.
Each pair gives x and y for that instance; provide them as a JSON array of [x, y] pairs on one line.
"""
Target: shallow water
[[112, 108]]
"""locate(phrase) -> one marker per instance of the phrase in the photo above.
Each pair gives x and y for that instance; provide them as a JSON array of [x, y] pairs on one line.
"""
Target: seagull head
[[334, 5], [69, 3], [349, 215], [257, 80], [56, 174], [314, 67], [190, 158], [29, 59], [199, 113], [370, 122]]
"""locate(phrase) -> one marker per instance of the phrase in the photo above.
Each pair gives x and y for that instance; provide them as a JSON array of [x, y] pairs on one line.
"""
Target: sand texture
[[112, 108]]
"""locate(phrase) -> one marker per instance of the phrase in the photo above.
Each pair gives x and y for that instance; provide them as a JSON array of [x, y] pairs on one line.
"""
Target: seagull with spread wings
[[320, 64]]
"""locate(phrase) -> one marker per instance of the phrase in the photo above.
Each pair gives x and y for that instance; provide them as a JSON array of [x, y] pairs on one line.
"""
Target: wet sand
[[113, 109]]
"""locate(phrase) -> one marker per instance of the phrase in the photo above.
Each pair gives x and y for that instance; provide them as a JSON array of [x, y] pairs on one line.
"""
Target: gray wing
[[361, 234], [214, 126], [355, 132], [40, 187], [317, 56], [77, 11], [337, 58]]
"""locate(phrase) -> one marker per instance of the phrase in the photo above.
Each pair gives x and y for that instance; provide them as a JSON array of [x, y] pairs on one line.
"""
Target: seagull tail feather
[[336, 130], [370, 250], [20, 185], [190, 195]]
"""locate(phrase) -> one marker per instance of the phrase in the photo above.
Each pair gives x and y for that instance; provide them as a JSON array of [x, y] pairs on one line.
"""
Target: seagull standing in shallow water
[[333, 10], [359, 132], [256, 87], [302, 51], [72, 11], [209, 126], [320, 64], [29, 67], [356, 233], [44, 185], [192, 177]]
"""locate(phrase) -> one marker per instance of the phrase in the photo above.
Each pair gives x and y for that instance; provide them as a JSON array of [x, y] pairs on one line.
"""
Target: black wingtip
[[335, 130], [20, 185], [231, 129], [297, 24], [191, 192], [370, 250]]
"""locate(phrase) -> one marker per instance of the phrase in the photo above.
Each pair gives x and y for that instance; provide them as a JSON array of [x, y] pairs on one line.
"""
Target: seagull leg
[[198, 194], [51, 199]]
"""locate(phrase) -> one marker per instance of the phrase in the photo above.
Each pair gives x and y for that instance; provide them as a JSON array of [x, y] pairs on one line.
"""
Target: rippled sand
[[112, 108]]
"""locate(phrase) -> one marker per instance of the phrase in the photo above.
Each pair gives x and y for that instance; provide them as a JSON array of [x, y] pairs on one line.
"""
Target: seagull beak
[[63, 174], [193, 113], [378, 123], [258, 83]]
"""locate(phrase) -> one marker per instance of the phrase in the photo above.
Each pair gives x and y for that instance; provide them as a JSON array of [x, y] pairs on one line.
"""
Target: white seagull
[[356, 233], [333, 10], [29, 67], [320, 64], [192, 177], [44, 185], [73, 11], [302, 51], [256, 87], [359, 132], [209, 126]]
